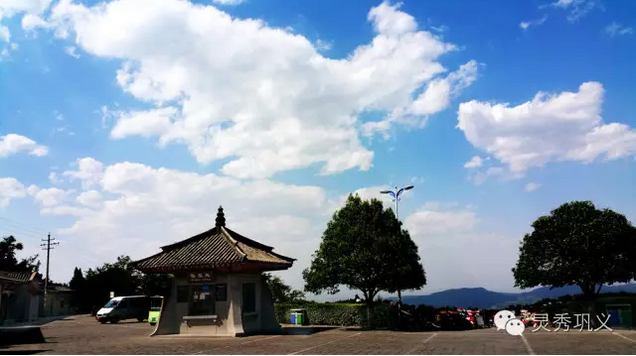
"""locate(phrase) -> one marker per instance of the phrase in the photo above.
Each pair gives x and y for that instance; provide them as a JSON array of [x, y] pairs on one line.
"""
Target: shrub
[[341, 314]]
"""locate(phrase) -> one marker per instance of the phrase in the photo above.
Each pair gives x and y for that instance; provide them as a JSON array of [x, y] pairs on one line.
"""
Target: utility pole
[[48, 246]]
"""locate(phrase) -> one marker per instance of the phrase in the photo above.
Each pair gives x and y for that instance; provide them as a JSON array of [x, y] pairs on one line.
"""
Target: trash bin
[[298, 317]]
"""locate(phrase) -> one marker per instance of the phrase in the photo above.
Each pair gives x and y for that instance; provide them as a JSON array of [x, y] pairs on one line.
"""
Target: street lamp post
[[396, 199], [396, 196]]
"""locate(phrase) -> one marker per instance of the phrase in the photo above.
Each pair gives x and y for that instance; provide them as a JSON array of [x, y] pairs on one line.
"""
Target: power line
[[17, 232], [25, 226]]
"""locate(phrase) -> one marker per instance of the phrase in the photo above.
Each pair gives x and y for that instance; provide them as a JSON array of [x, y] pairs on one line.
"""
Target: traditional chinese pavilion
[[218, 289]]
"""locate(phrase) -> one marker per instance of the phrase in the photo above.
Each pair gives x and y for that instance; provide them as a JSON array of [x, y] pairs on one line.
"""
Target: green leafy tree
[[78, 285], [281, 292], [408, 273], [92, 290], [9, 246], [364, 248], [156, 284], [578, 244], [116, 277]]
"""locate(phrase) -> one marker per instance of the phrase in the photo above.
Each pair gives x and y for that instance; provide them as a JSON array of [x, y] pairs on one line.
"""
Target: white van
[[121, 308]]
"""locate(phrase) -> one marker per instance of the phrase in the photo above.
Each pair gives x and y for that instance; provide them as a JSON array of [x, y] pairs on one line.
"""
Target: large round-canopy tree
[[365, 248], [578, 244]]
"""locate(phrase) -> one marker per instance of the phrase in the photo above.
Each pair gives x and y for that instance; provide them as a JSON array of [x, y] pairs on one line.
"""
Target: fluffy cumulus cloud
[[434, 98], [10, 8], [10, 188], [89, 172], [474, 162], [90, 198], [262, 96], [49, 196], [137, 205], [12, 144], [451, 241], [549, 128]]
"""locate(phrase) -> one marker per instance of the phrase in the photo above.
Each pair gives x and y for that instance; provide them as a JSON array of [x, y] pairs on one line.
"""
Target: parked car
[[452, 320], [122, 308]]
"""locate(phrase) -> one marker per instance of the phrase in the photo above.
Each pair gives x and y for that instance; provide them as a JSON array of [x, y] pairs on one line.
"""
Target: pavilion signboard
[[200, 277]]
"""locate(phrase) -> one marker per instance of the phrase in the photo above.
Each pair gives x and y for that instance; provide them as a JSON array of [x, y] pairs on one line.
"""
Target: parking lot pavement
[[84, 335]]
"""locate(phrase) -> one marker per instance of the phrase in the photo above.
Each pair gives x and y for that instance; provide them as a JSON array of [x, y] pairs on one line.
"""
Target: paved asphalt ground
[[84, 335]]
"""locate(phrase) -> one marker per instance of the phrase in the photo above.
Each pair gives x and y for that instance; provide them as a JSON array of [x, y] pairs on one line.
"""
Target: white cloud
[[143, 123], [291, 111], [5, 35], [49, 197], [228, 2], [616, 29], [54, 179], [474, 162], [450, 240], [90, 172], [64, 129], [137, 205], [10, 188], [440, 29], [433, 218], [550, 128], [90, 198], [12, 144], [526, 24], [418, 180], [4, 54], [58, 115], [323, 46], [388, 20], [30, 22], [72, 51], [10, 8], [371, 193], [577, 9], [530, 187], [435, 98], [563, 3]]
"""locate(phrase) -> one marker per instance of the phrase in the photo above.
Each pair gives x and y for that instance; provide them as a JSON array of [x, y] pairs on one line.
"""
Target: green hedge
[[341, 314]]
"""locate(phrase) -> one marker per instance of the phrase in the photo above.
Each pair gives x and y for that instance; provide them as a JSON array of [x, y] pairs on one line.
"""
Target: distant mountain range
[[483, 298]]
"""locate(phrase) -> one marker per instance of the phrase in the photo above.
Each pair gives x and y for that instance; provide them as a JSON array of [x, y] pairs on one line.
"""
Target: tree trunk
[[370, 321], [399, 308], [590, 300]]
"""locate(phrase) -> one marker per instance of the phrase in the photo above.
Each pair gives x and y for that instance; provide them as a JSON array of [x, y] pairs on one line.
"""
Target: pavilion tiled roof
[[17, 277], [215, 248]]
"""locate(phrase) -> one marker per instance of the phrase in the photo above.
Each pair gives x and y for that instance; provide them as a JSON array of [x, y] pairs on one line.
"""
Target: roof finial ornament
[[220, 218]]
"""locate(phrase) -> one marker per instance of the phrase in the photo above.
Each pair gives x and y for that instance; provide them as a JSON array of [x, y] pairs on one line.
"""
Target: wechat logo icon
[[506, 320]]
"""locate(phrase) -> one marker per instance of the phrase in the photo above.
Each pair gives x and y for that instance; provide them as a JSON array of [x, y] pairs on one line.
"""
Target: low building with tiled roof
[[219, 288], [18, 296]]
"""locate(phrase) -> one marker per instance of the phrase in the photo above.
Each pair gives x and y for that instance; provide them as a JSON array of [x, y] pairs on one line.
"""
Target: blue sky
[[122, 129]]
